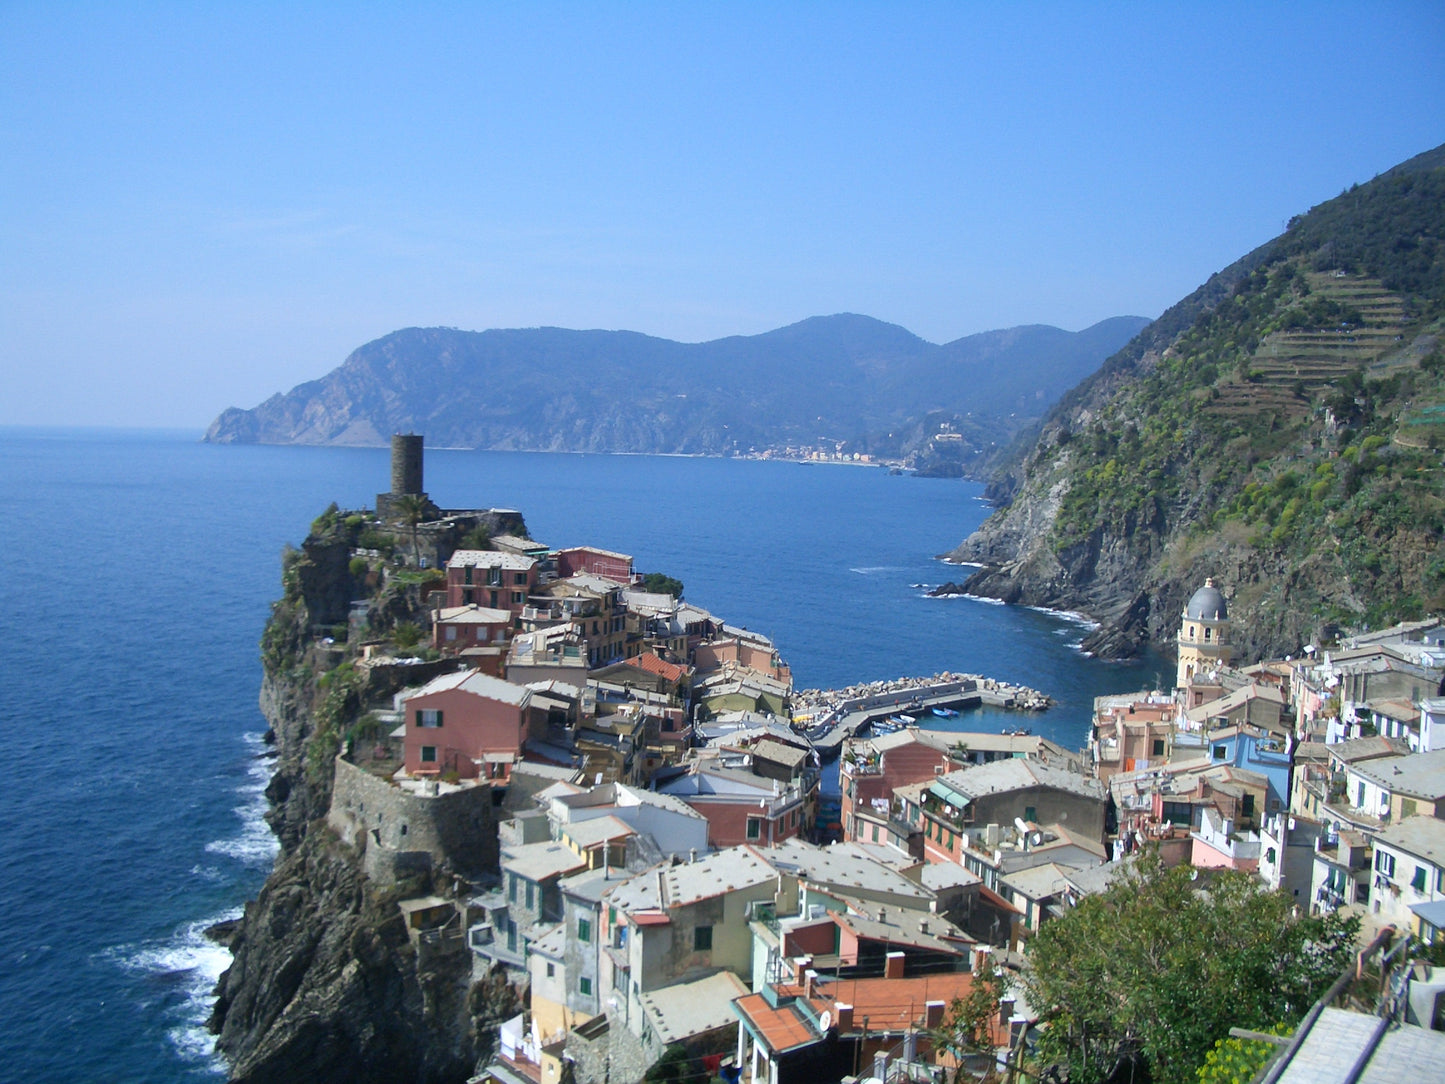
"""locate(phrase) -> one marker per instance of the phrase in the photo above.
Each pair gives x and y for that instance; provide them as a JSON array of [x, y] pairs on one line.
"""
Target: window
[[551, 971], [584, 929], [519, 578], [494, 577], [702, 939], [531, 895], [519, 597], [1407, 807], [1360, 796], [1417, 882], [1248, 806], [1220, 752], [1385, 863], [512, 887], [1157, 749], [426, 717], [451, 632], [755, 828], [1207, 631], [467, 577], [428, 754], [584, 984], [1030, 813]]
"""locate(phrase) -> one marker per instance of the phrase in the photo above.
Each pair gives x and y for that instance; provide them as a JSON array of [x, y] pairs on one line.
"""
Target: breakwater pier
[[830, 716]]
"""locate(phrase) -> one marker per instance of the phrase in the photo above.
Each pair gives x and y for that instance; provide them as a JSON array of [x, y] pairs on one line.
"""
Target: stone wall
[[399, 831]]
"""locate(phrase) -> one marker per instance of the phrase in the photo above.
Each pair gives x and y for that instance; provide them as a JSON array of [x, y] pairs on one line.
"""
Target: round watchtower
[[406, 464], [1204, 643]]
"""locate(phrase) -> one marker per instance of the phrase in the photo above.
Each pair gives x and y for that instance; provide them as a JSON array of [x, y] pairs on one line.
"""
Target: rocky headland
[[1278, 430]]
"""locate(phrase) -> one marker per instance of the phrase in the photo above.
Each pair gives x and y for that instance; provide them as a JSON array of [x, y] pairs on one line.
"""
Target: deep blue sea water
[[136, 569]]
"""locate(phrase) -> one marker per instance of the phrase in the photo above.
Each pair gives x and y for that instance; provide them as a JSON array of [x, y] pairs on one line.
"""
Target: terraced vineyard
[[1293, 364]]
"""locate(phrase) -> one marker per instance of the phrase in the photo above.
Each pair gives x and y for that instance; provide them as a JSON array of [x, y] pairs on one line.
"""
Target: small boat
[[906, 720], [945, 713]]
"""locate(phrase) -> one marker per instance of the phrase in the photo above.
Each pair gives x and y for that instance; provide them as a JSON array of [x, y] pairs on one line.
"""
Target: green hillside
[[1280, 429]]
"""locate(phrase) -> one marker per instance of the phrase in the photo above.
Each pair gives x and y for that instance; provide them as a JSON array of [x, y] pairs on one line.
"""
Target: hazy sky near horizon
[[202, 205]]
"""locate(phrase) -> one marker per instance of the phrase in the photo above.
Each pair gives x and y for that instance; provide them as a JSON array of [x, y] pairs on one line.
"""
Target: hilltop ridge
[[846, 382]]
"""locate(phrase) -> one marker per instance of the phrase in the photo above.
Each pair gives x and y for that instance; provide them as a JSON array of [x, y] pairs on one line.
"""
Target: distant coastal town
[[583, 790]]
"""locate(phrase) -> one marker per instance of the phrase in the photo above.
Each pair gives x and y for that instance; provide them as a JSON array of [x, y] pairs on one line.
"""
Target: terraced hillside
[[1279, 429]]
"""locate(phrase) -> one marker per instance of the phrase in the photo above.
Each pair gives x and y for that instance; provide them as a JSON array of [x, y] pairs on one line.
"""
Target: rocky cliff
[[1279, 429], [325, 983]]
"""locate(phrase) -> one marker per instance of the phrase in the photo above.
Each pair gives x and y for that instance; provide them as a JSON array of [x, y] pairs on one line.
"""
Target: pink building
[[472, 724], [497, 581], [587, 559], [457, 628]]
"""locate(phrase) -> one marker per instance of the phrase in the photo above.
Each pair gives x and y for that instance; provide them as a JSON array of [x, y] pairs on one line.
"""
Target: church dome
[[1207, 604]]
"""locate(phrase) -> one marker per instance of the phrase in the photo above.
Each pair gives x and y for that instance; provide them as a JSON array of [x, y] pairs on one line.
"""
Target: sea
[[136, 572]]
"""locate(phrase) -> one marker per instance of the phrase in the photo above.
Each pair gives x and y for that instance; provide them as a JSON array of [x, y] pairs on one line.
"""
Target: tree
[[1159, 966], [662, 585], [967, 1028], [412, 509]]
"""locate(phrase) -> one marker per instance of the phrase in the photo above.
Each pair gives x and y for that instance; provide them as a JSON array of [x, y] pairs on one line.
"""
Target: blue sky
[[202, 205]]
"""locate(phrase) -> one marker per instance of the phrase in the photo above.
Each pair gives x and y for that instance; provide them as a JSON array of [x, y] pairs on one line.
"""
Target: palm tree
[[412, 509]]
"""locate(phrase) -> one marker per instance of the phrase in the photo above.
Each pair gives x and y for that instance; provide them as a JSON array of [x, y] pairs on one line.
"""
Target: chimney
[[844, 1015], [810, 982], [691, 855], [933, 1013], [922, 926], [1005, 1010], [800, 967], [880, 1065], [893, 965]]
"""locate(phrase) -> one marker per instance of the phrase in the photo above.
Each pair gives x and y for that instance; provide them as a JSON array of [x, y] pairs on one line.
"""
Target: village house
[[591, 561], [813, 1028], [478, 634], [488, 578], [1002, 793], [470, 725], [676, 923], [741, 807], [1409, 870], [1131, 732], [1341, 872], [1390, 789]]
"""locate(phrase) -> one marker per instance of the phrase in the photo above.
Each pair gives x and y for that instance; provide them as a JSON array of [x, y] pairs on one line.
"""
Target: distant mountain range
[[1280, 429], [852, 380]]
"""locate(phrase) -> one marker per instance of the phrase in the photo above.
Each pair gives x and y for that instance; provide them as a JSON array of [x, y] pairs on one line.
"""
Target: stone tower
[[406, 472], [406, 462], [1204, 643]]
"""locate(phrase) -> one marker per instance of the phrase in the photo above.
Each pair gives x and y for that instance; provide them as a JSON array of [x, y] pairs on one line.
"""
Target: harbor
[[830, 717]]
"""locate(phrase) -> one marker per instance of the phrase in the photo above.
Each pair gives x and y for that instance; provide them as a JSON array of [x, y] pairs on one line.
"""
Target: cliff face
[[1278, 430], [325, 983]]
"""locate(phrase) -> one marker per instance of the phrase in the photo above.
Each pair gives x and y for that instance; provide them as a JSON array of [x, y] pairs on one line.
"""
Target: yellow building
[[1204, 643]]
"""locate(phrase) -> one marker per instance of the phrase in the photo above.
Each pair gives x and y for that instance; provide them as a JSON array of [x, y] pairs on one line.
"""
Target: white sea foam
[[1071, 616], [189, 964], [255, 845], [971, 598], [869, 570]]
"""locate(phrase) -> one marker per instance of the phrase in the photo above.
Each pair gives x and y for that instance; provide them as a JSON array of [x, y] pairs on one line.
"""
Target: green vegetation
[[407, 635], [339, 700], [413, 510], [966, 1027], [1236, 1061], [659, 584], [1286, 406], [1158, 967]]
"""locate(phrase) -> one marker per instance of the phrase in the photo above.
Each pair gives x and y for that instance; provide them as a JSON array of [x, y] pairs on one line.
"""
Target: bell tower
[[1203, 642]]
